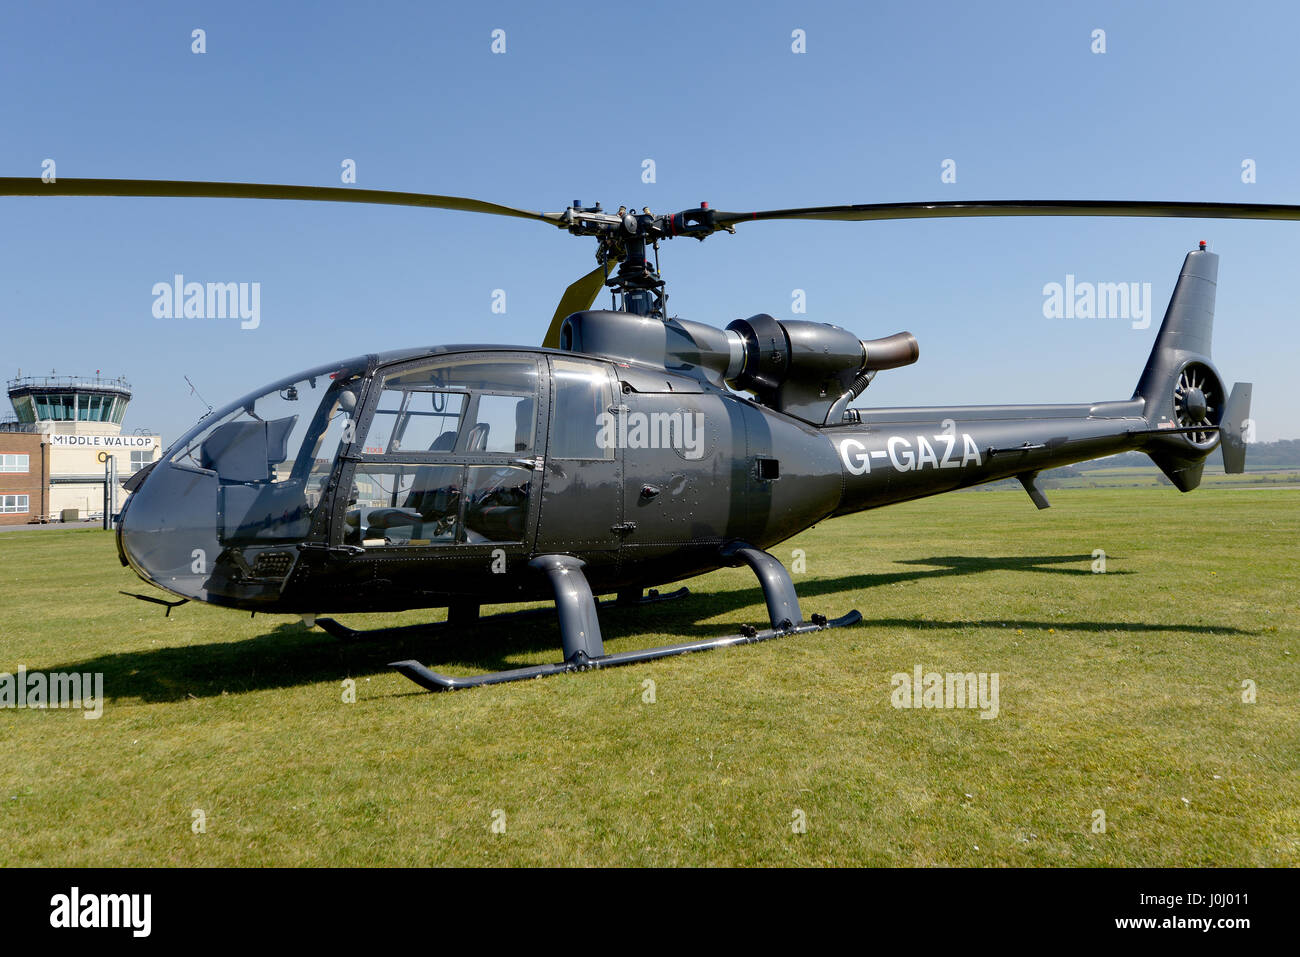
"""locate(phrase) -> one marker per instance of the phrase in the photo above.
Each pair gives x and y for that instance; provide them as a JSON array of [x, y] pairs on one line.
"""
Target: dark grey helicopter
[[633, 450]]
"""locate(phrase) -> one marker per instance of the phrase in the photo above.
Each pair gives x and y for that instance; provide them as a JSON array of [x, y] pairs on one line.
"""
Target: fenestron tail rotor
[[1198, 401]]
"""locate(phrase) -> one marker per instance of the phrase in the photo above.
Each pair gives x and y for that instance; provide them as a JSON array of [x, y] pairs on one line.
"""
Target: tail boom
[[915, 453]]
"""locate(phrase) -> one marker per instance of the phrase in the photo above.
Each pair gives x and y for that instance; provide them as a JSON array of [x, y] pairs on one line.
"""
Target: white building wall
[[75, 450]]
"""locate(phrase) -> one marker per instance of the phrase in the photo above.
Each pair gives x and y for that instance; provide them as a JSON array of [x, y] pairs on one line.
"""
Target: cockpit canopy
[[439, 452]]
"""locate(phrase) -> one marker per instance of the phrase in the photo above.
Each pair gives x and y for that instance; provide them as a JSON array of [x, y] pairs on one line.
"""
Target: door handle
[[529, 463]]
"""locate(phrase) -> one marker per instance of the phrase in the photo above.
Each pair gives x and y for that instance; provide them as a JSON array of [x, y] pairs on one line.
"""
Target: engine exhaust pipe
[[891, 352]]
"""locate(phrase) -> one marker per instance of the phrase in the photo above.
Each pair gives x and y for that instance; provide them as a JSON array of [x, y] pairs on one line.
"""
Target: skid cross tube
[[580, 628]]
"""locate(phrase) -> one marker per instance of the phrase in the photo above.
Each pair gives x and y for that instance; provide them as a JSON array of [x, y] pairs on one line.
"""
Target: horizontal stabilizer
[[1235, 428]]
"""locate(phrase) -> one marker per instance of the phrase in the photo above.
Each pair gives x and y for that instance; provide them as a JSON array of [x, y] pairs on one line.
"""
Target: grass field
[[1119, 692]]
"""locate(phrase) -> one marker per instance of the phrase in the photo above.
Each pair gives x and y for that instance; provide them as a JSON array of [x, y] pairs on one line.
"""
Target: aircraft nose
[[167, 532]]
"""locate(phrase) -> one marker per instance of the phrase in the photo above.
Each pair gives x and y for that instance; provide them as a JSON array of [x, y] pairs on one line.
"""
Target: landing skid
[[434, 681], [458, 615], [580, 627]]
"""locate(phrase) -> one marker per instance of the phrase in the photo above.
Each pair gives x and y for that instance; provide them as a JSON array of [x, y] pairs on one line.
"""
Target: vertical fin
[[1185, 333]]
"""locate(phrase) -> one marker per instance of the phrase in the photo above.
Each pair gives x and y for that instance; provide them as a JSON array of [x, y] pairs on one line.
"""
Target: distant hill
[[1269, 462], [1260, 456]]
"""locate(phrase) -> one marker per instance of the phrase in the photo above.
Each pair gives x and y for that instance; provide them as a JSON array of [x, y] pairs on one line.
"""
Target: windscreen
[[249, 474]]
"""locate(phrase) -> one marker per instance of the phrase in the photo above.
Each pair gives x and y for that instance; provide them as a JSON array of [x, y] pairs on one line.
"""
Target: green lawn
[[1119, 692]]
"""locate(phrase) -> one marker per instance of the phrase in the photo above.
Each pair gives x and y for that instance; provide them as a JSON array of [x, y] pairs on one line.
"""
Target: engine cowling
[[804, 368], [801, 368]]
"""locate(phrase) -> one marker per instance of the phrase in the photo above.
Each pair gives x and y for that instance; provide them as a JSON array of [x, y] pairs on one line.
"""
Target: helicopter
[[631, 450]]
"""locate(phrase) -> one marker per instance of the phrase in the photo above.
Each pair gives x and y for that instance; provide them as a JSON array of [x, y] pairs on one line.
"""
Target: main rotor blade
[[34, 186], [579, 296], [1029, 207]]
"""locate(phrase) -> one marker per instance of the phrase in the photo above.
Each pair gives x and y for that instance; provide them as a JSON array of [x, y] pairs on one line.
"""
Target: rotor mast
[[626, 237]]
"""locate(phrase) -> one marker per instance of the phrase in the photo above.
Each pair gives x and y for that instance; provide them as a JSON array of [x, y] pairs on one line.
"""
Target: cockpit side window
[[508, 422], [582, 399], [463, 404], [416, 421]]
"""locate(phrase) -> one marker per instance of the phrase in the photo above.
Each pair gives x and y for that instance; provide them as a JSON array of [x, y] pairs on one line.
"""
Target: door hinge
[[332, 549]]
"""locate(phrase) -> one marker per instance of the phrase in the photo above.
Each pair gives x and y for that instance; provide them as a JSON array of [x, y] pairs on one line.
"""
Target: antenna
[[195, 392]]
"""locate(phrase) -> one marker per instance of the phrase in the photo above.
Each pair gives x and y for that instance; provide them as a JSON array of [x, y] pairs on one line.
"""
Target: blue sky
[[583, 94]]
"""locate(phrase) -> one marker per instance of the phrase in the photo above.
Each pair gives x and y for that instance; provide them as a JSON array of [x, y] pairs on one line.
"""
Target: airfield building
[[24, 476], [64, 438]]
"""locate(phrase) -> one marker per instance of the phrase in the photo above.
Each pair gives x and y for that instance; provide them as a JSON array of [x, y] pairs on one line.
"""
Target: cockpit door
[[446, 459]]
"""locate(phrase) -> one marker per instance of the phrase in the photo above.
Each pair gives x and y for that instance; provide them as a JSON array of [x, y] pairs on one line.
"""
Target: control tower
[[76, 405]]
